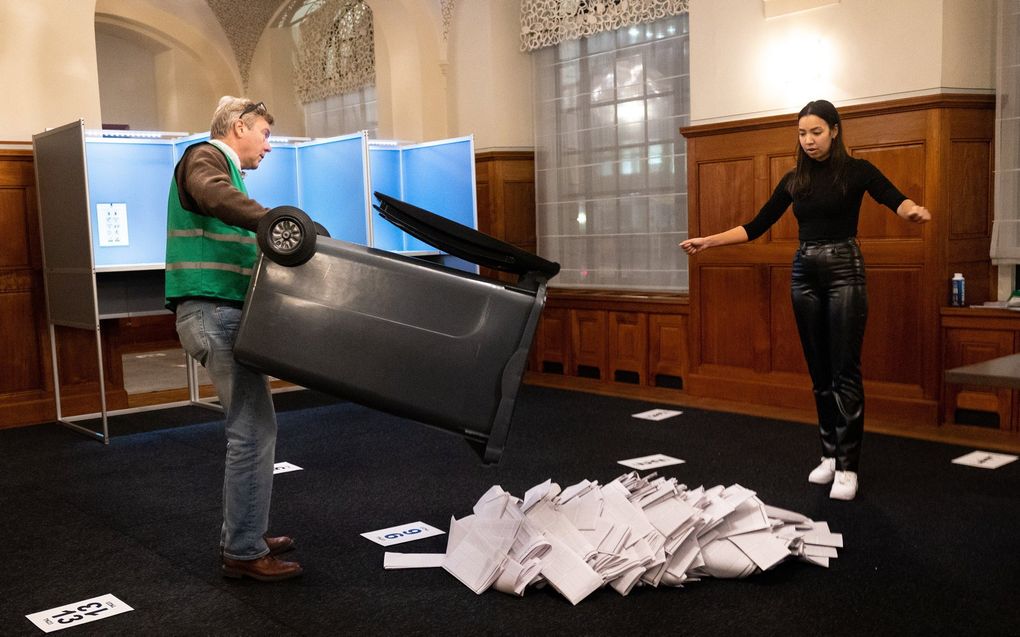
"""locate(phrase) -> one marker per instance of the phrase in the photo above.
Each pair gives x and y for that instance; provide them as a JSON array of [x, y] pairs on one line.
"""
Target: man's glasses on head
[[258, 108]]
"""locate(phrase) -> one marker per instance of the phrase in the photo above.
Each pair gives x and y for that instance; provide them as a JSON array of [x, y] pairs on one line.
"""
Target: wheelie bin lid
[[462, 241]]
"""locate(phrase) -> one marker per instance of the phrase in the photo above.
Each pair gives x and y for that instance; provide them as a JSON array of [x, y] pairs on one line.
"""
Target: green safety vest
[[206, 257]]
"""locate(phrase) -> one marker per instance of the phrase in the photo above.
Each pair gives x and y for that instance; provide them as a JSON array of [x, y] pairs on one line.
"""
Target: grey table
[[997, 372]]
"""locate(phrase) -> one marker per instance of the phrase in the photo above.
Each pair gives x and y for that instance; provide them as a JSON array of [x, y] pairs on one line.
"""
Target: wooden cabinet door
[[968, 346]]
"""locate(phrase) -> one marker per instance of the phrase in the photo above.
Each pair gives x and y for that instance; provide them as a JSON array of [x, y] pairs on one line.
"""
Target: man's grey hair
[[229, 111]]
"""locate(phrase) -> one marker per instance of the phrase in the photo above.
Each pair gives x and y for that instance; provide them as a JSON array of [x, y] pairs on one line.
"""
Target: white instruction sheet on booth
[[113, 224]]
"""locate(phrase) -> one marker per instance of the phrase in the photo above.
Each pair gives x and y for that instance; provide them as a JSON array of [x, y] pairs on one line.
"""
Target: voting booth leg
[[193, 394], [104, 435]]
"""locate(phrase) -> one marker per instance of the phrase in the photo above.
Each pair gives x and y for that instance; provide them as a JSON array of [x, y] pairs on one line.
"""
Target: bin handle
[[512, 374]]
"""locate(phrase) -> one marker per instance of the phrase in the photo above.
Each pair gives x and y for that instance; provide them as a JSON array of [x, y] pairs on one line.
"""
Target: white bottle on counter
[[959, 294]]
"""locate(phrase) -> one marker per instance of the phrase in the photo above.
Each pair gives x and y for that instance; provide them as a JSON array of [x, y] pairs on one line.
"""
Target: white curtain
[[1006, 228], [611, 165], [350, 112]]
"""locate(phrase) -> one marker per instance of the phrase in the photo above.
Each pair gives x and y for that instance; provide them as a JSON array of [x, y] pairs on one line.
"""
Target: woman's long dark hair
[[838, 157]]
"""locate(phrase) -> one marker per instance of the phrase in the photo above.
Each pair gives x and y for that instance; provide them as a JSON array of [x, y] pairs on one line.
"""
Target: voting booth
[[404, 335], [103, 198]]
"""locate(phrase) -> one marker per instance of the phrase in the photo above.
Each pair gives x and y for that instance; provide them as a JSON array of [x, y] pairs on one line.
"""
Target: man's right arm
[[204, 184]]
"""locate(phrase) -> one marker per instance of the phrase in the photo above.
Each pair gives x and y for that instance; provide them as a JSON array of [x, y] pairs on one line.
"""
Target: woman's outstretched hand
[[696, 244], [918, 214]]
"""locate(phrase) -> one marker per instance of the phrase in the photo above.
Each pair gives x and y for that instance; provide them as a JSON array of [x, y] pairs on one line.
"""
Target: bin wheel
[[287, 236]]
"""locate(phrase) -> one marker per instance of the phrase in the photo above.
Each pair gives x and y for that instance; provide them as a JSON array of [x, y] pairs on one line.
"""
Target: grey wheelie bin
[[396, 333]]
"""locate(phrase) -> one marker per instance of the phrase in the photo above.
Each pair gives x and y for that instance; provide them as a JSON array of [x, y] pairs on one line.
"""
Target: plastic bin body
[[406, 336]]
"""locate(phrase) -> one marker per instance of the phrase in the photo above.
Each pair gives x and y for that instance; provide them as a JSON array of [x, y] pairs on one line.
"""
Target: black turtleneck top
[[825, 212]]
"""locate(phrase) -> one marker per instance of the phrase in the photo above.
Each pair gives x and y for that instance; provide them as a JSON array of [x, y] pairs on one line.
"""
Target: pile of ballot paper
[[632, 531]]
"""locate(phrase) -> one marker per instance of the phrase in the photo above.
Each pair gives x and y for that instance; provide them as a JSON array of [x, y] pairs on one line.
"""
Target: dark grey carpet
[[931, 547]]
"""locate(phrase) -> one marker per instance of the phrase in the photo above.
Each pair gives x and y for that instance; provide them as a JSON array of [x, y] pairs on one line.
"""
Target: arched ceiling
[[244, 21]]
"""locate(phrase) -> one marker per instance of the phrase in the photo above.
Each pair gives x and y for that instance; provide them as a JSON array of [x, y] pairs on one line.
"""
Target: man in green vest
[[210, 253]]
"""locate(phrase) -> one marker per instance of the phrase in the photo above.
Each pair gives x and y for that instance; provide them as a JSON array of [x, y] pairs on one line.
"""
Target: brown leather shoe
[[280, 544], [265, 569]]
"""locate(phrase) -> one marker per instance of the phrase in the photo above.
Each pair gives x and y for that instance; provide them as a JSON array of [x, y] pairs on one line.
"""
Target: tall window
[[611, 174], [1006, 229]]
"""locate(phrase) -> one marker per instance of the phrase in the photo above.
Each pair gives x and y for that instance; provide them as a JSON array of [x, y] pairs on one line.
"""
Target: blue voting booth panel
[[128, 183], [386, 178], [333, 187], [180, 145], [129, 179], [274, 182], [440, 177]]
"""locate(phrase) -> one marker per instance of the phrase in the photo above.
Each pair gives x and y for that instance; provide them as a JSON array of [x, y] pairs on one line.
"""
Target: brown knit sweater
[[203, 182]]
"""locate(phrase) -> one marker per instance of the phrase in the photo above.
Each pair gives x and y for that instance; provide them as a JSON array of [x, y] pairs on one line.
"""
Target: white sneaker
[[823, 473], [845, 486]]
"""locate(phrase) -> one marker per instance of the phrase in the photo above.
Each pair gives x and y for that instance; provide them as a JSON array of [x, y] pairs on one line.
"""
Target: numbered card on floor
[[83, 612], [984, 459], [402, 533], [657, 414], [650, 462], [284, 467]]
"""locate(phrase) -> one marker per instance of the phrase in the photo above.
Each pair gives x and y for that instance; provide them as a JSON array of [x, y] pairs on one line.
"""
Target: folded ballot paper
[[633, 531]]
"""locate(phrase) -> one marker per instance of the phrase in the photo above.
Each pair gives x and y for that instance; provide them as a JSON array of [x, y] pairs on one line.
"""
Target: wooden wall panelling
[[970, 204], [729, 300], [895, 337], [667, 350], [505, 190], [553, 342], [589, 351], [628, 347], [727, 189], [24, 352], [614, 337]]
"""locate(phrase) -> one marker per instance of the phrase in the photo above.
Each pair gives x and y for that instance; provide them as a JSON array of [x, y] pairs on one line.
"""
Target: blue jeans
[[207, 331]]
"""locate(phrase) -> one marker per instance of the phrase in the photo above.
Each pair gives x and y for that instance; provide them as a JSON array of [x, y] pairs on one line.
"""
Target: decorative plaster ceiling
[[244, 21]]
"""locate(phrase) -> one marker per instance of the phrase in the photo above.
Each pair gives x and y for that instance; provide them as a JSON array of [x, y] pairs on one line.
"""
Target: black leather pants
[[830, 302]]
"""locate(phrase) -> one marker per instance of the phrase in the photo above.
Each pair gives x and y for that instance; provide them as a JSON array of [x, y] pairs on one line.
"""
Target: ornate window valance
[[337, 53], [548, 22]]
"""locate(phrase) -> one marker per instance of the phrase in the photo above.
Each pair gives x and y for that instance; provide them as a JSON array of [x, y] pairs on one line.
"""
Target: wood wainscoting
[[634, 339]]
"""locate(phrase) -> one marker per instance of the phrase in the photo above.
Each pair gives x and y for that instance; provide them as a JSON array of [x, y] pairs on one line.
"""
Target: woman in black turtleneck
[[828, 287]]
